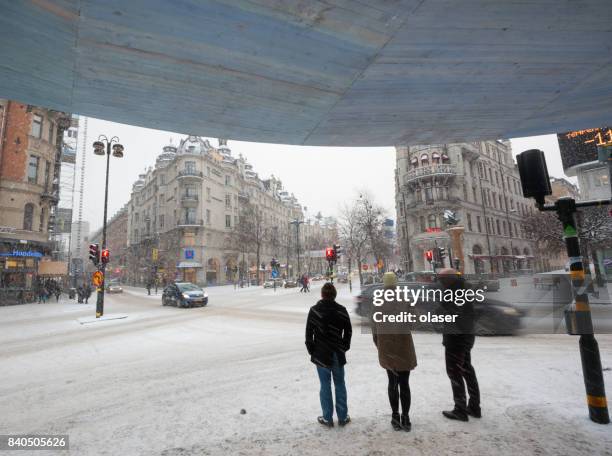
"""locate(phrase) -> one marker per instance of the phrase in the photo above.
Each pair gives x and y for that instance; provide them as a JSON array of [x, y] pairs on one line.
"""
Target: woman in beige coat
[[395, 354]]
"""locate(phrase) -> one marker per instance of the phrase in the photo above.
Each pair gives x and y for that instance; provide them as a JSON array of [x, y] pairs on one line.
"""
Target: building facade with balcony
[[478, 181], [30, 163], [183, 212]]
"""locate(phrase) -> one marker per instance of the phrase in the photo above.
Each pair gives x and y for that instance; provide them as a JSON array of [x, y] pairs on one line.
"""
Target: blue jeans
[[325, 393]]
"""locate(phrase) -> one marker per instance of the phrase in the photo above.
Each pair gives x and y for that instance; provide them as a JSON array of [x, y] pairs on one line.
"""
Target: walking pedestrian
[[87, 292], [328, 338], [58, 292], [396, 355], [149, 288], [306, 283], [458, 341]]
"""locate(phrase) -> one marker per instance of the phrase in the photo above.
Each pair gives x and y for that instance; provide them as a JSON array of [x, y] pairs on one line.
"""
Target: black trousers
[[399, 390], [461, 374]]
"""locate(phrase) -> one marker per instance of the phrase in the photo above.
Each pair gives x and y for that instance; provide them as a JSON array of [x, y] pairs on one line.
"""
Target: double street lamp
[[103, 146]]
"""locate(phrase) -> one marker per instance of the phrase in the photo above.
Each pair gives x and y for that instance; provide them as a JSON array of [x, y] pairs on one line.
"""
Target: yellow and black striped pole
[[578, 319]]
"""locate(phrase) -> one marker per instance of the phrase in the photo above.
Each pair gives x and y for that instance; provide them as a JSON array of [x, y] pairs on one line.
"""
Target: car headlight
[[510, 311], [185, 295], [206, 295]]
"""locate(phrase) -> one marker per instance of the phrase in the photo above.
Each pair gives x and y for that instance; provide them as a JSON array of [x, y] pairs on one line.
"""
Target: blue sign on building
[[189, 254]]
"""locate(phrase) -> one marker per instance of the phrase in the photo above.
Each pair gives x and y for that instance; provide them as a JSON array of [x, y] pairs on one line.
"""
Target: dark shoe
[[474, 411], [345, 421], [455, 414], [395, 421], [406, 425], [324, 422]]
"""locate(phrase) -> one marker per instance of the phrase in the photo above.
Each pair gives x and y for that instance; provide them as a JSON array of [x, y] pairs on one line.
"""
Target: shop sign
[[22, 253]]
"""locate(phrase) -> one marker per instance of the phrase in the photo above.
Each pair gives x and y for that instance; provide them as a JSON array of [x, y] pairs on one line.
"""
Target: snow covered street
[[168, 381]]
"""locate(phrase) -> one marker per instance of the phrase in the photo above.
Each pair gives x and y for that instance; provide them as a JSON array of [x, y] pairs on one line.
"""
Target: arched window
[[424, 159], [42, 220], [477, 250], [526, 251], [445, 158], [28, 216], [414, 162], [435, 158]]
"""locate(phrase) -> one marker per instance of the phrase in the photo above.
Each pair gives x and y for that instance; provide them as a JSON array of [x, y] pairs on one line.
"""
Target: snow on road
[[169, 381]]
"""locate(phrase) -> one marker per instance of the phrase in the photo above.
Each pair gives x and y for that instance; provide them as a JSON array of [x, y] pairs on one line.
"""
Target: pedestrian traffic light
[[429, 255], [94, 253], [105, 256], [330, 254]]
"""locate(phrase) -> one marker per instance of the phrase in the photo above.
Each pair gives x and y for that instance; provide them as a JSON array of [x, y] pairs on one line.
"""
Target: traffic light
[[441, 254], [105, 256], [330, 254], [94, 253], [337, 251], [429, 255]]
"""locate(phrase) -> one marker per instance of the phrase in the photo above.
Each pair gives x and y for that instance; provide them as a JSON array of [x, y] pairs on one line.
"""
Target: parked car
[[114, 286], [290, 284], [184, 294], [492, 317], [270, 283]]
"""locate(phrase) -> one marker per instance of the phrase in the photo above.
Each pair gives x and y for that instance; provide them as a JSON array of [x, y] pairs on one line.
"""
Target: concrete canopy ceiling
[[328, 72]]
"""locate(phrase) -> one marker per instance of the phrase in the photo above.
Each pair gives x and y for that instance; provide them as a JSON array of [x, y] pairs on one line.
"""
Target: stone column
[[456, 235]]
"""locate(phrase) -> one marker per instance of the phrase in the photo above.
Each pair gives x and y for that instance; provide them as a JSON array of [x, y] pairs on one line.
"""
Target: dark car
[[184, 294], [492, 317]]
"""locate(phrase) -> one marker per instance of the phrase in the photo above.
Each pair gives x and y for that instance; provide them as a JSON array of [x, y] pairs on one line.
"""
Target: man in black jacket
[[458, 341], [328, 337]]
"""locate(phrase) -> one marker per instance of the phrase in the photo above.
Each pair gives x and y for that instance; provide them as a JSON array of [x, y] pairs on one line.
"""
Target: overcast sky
[[322, 178]]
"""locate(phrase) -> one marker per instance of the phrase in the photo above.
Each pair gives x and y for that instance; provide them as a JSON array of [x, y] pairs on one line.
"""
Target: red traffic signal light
[[330, 254], [94, 253], [105, 256], [429, 255]]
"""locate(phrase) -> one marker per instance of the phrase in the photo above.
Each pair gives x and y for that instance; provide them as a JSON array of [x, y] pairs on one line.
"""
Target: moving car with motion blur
[[184, 294], [270, 283], [290, 284], [113, 286], [492, 317]]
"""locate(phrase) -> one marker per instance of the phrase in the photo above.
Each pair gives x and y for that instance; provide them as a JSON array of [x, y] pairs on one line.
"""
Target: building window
[[474, 194], [435, 158], [498, 227], [47, 169], [190, 166], [161, 221], [228, 200], [465, 192], [418, 196], [235, 220], [510, 229], [431, 221], [51, 131], [33, 169], [505, 228], [208, 216], [41, 225], [422, 222], [162, 179], [228, 221], [208, 194], [445, 158], [488, 225], [478, 224], [228, 179], [469, 220], [424, 160], [428, 195], [190, 216], [37, 125], [28, 216], [414, 162]]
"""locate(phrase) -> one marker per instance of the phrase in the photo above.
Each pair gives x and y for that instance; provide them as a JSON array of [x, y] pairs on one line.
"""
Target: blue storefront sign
[[22, 253], [189, 254]]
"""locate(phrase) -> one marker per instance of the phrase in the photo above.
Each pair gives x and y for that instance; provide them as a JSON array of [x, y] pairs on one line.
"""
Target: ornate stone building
[[183, 212], [30, 161], [479, 181]]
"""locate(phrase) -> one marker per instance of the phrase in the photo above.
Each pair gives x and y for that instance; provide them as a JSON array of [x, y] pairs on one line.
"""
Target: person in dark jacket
[[458, 341], [396, 355], [87, 292], [328, 338]]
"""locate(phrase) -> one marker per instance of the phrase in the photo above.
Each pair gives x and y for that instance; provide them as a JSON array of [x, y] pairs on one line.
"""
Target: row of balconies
[[443, 171]]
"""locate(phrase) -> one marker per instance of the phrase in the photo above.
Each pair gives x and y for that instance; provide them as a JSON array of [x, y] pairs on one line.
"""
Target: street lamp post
[[117, 151], [297, 224]]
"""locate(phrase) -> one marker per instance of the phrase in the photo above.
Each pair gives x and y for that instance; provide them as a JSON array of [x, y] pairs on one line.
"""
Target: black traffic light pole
[[117, 152], [536, 183]]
